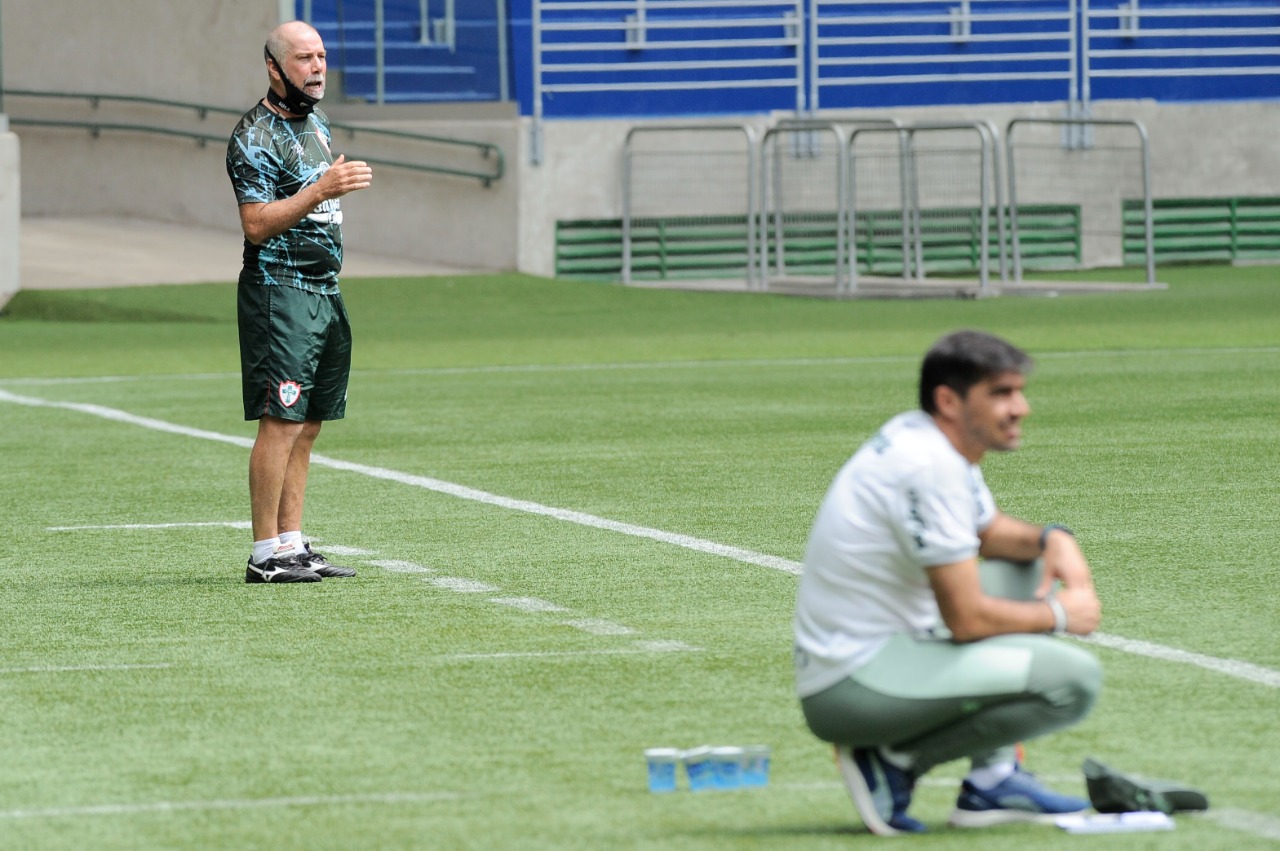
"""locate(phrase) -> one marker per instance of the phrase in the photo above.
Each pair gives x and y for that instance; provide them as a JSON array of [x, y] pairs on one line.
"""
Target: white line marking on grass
[[397, 566], [426, 482], [532, 605], [462, 585], [1230, 667], [598, 626], [1240, 670], [116, 415], [569, 516], [1242, 821], [666, 646], [232, 804], [1258, 824], [229, 524], [59, 669]]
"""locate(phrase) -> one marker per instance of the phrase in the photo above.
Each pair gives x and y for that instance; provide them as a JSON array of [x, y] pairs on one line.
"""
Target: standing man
[[909, 651], [295, 340]]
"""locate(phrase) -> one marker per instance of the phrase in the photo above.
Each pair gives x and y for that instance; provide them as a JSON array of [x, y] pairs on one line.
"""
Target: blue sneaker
[[1017, 798], [881, 792]]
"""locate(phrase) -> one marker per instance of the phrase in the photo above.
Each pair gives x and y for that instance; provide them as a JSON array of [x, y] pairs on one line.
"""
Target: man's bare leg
[[273, 485], [293, 489], [268, 469]]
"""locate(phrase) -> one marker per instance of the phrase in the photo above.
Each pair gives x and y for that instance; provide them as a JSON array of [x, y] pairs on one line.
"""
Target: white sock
[[294, 538], [992, 775], [263, 550]]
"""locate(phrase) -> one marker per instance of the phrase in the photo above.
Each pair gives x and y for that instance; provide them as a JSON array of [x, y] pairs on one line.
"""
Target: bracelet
[[1044, 533], [1059, 615]]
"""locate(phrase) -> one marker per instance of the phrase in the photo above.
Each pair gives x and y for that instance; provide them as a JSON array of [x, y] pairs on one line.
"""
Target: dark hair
[[961, 359]]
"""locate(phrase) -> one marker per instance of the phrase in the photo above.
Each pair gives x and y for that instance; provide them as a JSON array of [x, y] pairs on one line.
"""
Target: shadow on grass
[[100, 306], [780, 832]]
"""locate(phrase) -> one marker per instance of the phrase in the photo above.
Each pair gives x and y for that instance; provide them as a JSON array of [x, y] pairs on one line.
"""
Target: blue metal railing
[[629, 58], [415, 50]]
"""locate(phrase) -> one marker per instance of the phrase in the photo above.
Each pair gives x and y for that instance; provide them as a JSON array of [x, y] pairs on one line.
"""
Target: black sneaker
[[286, 569], [1113, 792], [321, 565]]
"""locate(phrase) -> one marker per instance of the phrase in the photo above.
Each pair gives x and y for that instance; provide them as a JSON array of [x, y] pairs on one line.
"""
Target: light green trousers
[[938, 700]]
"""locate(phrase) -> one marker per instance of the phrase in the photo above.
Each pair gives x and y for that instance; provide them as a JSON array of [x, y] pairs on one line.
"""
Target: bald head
[[296, 63], [280, 41]]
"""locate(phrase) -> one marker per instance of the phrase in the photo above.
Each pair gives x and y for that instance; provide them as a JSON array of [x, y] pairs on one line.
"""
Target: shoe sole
[[863, 799], [990, 818], [332, 572], [252, 578]]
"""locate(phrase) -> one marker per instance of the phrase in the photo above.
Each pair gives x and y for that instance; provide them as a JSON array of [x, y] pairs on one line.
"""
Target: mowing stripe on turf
[[229, 524], [1240, 670], [640, 648], [599, 626], [501, 369], [60, 669], [232, 804]]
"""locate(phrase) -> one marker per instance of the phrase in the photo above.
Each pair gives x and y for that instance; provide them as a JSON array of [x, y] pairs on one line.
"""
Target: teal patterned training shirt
[[270, 158]]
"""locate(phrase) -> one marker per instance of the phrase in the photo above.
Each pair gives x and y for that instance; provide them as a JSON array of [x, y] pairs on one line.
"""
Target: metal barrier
[[485, 150], [1102, 197], [698, 167], [948, 212], [800, 183], [813, 204]]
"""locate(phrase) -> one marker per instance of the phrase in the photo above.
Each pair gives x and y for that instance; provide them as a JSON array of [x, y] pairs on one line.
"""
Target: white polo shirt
[[906, 501]]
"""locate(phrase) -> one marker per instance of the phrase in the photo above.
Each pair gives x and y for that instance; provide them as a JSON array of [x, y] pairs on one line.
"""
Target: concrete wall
[[10, 195], [211, 53], [444, 219]]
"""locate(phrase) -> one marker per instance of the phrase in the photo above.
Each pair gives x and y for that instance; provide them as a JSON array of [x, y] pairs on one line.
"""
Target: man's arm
[[971, 614], [1016, 540], [260, 222]]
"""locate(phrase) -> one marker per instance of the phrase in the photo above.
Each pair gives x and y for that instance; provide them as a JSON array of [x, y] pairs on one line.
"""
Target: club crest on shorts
[[289, 393]]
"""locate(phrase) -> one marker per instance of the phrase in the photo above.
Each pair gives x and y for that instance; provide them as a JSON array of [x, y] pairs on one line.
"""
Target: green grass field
[[492, 676]]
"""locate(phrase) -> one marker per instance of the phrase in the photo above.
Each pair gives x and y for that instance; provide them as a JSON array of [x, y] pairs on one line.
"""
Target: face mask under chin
[[294, 100]]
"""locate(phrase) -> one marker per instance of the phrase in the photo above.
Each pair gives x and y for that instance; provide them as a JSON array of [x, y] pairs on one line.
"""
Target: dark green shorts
[[295, 353]]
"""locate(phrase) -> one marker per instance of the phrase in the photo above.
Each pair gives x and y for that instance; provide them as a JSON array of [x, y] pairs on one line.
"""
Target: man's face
[[304, 63], [991, 413]]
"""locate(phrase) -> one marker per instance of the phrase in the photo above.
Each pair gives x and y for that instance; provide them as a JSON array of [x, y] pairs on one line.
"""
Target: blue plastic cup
[[700, 769], [755, 765], [727, 767], [662, 764]]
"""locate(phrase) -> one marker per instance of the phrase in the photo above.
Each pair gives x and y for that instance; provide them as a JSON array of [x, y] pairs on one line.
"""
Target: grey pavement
[[75, 253]]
